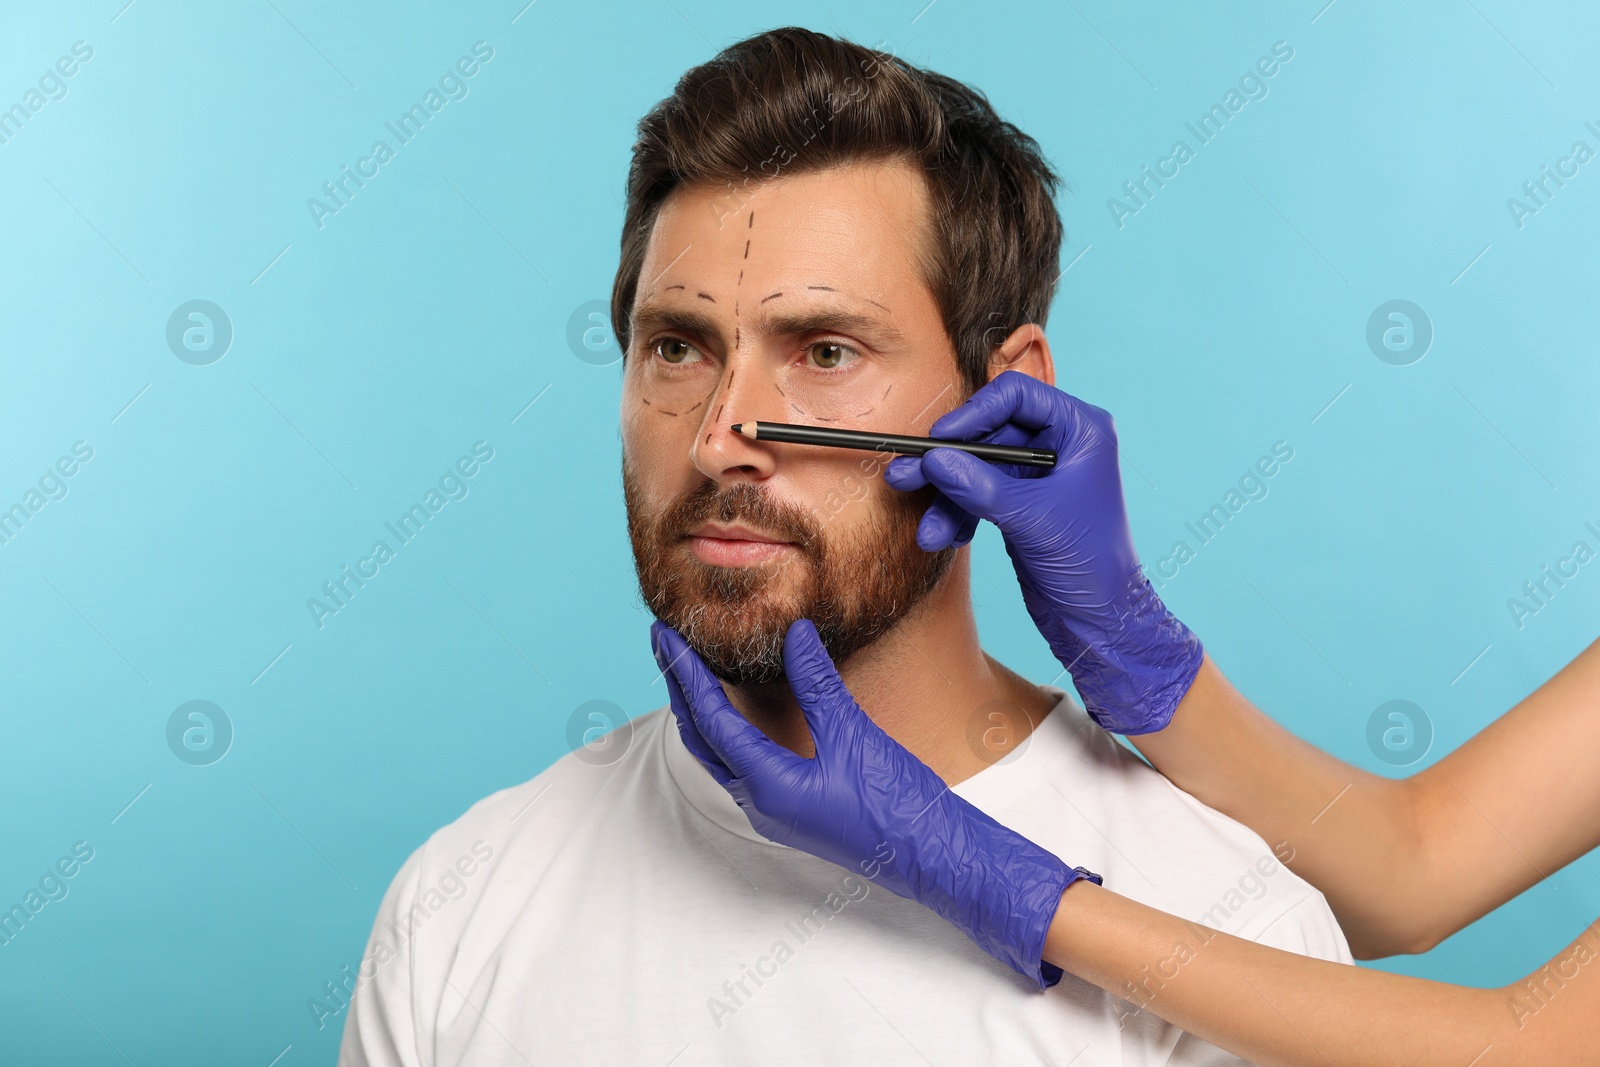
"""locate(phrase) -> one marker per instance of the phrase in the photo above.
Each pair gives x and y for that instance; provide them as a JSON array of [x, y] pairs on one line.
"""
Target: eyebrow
[[652, 316]]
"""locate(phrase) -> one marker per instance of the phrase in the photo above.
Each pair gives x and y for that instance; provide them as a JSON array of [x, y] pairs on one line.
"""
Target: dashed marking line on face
[[774, 295], [669, 288], [824, 288], [706, 296], [718, 415], [697, 403], [874, 303], [738, 333]]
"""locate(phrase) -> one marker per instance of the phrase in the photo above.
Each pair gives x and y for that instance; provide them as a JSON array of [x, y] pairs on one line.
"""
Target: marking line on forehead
[[777, 294], [831, 289], [706, 296]]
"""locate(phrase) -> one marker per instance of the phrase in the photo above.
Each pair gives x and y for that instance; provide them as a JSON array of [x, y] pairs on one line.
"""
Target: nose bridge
[[737, 396]]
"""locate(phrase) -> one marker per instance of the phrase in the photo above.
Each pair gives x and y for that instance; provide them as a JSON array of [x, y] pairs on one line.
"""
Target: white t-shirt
[[629, 914]]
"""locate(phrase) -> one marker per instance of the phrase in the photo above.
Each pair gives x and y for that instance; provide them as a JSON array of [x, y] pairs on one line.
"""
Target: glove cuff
[[1048, 974], [1135, 670], [1006, 897]]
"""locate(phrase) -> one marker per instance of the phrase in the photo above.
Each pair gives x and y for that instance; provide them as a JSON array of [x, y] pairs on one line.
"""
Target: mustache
[[740, 502]]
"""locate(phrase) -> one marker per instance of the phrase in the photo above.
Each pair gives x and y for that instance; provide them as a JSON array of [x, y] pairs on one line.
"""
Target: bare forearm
[[1339, 827], [1510, 806], [1275, 1007]]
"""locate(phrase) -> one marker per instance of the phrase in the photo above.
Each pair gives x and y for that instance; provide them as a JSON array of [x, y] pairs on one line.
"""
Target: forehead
[[860, 224]]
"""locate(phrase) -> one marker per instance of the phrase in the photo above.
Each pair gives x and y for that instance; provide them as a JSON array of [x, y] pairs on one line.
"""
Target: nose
[[742, 394]]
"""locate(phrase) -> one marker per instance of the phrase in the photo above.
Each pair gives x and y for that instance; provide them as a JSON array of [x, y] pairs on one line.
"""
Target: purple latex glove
[[867, 804], [1066, 530]]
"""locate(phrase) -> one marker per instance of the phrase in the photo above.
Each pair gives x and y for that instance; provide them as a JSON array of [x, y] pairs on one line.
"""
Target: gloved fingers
[[692, 738], [974, 485], [815, 682], [1007, 434], [732, 738], [941, 524], [905, 473], [968, 530], [944, 523], [1010, 397]]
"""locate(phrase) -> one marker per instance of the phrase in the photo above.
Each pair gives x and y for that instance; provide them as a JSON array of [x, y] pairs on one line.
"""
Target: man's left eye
[[829, 354]]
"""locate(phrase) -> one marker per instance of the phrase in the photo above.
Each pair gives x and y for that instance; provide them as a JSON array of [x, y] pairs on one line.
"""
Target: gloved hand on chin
[[867, 804]]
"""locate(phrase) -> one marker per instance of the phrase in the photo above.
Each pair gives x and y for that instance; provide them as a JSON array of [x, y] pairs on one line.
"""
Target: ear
[[1026, 350]]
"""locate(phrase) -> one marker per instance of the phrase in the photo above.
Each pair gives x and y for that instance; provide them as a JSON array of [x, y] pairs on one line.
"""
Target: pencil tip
[[737, 427]]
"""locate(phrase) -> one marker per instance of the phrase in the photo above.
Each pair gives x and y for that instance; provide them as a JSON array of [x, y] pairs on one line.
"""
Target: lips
[[733, 545], [734, 532]]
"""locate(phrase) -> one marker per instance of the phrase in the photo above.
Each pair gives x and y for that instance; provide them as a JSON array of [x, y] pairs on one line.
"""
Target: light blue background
[[425, 316]]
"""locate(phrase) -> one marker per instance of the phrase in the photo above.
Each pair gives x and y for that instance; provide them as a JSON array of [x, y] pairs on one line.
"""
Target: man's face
[[801, 301]]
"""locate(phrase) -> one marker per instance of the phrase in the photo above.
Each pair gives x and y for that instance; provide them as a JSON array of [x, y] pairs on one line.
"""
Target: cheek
[[648, 441], [848, 493]]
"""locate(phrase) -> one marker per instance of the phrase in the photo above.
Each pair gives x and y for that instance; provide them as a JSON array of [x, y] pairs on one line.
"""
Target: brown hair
[[791, 100]]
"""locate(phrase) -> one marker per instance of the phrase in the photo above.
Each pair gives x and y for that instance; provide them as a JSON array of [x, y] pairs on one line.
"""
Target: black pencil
[[890, 442]]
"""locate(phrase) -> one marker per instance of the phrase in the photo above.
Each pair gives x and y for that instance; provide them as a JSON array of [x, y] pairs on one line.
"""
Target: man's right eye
[[673, 350]]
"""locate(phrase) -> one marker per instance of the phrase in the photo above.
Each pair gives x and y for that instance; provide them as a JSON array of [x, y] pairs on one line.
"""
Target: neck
[[926, 683]]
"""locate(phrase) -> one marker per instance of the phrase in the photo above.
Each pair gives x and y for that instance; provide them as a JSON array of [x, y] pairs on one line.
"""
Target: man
[[815, 233]]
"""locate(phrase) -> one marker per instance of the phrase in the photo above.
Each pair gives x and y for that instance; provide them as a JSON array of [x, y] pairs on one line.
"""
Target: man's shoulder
[[531, 816]]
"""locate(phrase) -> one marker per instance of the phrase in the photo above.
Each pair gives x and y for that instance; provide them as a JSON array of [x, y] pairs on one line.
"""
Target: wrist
[[1010, 890], [1137, 661]]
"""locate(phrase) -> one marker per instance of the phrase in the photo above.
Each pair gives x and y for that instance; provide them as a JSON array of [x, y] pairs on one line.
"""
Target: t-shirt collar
[[985, 790]]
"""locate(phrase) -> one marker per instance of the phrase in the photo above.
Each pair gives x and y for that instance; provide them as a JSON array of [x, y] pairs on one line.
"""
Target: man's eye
[[829, 354], [673, 350]]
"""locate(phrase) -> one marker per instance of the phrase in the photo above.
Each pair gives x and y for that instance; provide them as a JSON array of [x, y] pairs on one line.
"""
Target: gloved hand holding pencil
[[1066, 530]]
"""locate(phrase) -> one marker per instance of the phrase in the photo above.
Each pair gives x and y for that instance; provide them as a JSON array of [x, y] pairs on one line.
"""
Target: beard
[[854, 586]]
